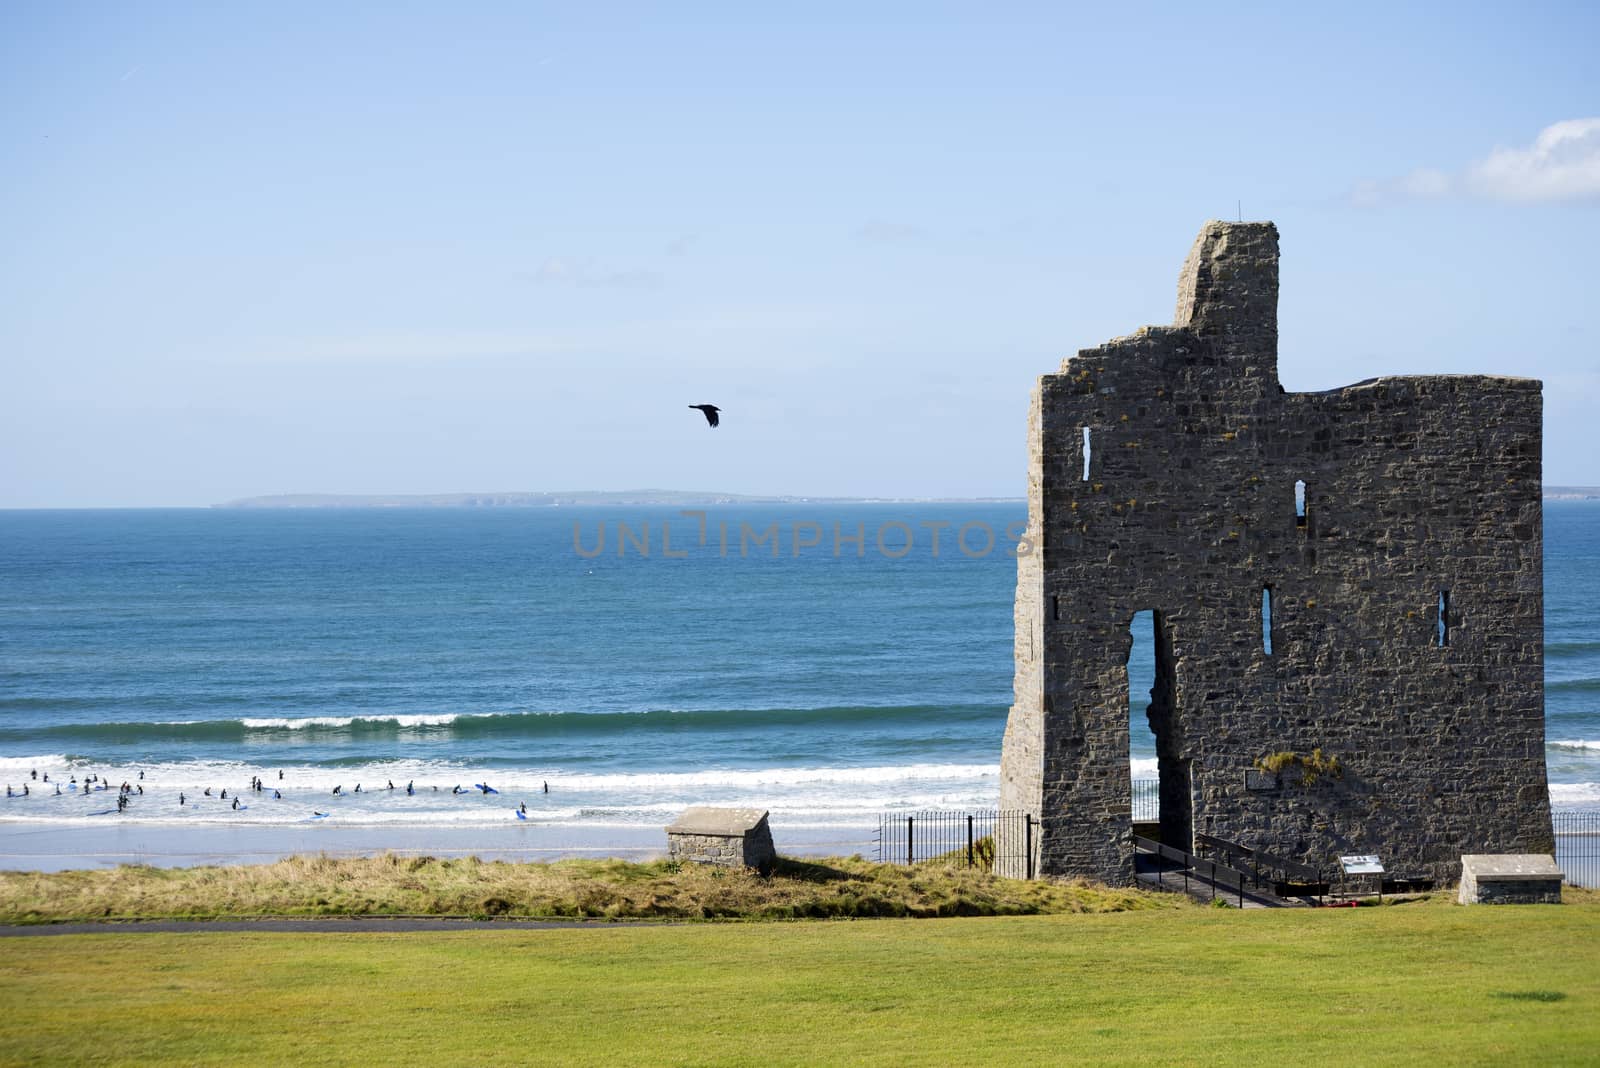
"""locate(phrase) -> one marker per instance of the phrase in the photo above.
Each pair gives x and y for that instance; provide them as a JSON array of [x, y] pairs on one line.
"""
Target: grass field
[[1406, 984]]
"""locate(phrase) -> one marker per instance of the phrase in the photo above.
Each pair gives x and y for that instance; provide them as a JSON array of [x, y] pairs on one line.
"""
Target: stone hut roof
[[730, 822]]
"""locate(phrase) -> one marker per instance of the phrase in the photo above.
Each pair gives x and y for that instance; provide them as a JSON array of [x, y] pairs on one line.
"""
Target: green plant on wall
[[1312, 766]]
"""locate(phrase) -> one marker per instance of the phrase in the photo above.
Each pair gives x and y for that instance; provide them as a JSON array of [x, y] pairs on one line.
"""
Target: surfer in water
[[236, 804], [546, 787], [336, 789], [524, 808], [181, 799]]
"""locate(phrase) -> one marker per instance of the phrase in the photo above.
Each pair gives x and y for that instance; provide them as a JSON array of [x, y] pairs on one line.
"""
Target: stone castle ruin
[[1345, 588]]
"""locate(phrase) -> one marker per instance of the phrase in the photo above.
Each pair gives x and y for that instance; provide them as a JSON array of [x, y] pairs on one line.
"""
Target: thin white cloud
[[883, 232], [1562, 163], [559, 271]]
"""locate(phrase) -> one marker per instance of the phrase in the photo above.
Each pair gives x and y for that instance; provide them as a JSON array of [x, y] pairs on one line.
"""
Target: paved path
[[317, 925]]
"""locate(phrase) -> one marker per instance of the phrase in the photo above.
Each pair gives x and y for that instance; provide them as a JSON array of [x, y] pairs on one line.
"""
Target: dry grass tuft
[[391, 885]]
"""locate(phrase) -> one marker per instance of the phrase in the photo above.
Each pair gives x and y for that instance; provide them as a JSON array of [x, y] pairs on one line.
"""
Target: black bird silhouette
[[710, 411]]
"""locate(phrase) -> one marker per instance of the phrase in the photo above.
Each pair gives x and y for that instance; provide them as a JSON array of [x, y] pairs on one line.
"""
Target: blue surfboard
[[486, 789], [521, 815]]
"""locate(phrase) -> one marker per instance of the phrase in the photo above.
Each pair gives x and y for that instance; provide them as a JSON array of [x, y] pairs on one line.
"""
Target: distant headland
[[572, 498]]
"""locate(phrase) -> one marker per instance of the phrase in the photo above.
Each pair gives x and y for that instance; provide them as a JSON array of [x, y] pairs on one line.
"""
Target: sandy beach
[[64, 847]]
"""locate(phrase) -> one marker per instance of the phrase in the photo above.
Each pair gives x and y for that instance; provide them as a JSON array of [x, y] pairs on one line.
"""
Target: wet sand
[[65, 847]]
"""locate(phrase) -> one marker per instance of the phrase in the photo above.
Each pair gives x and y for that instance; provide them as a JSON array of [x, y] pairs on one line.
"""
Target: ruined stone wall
[[1414, 486]]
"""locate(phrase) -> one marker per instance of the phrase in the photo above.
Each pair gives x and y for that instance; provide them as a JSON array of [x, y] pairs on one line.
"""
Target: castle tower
[[1345, 587]]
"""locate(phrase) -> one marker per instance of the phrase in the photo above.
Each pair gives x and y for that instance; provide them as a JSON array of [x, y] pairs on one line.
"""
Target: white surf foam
[[441, 719], [1574, 795]]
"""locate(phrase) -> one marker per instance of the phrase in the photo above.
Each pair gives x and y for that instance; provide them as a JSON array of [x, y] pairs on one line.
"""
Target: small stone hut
[[728, 837]]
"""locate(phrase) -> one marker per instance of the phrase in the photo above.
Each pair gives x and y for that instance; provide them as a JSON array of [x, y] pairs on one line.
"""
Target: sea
[[578, 668]]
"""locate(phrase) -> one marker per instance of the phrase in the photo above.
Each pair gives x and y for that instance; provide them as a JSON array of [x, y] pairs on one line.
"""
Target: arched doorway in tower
[[1161, 782]]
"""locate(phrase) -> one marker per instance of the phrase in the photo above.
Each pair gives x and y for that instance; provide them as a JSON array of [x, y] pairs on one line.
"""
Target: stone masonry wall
[[1413, 486], [753, 850]]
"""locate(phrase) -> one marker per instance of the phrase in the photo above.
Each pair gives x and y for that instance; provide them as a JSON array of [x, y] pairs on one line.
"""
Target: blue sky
[[425, 248]]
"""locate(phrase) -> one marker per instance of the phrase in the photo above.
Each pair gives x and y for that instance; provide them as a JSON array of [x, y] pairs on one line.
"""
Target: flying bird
[[710, 411]]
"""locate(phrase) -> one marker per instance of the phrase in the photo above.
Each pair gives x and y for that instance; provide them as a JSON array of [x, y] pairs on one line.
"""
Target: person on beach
[[181, 799]]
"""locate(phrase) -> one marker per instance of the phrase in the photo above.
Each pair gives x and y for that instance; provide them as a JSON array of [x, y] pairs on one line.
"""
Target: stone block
[[1509, 879], [726, 837]]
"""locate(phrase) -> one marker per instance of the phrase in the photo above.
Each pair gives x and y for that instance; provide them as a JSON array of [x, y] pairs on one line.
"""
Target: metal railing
[[990, 839], [1578, 846], [1287, 878], [1199, 869]]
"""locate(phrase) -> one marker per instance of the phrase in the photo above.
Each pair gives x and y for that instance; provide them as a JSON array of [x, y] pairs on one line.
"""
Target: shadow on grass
[[1530, 995], [807, 871]]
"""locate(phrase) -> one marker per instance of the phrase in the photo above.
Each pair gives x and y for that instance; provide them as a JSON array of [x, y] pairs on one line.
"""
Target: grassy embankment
[[1414, 984], [612, 889]]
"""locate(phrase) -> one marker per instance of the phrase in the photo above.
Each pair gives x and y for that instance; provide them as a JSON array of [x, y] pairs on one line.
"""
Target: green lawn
[[1409, 984]]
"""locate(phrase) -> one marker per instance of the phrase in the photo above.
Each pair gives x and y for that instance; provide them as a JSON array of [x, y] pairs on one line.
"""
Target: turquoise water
[[451, 647]]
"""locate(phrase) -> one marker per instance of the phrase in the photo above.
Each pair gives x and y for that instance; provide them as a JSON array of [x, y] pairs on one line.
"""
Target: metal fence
[[1005, 840], [1578, 846], [1146, 800], [974, 839]]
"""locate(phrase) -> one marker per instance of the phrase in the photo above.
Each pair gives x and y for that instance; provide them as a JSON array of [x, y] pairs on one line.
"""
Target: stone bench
[[1509, 879], [727, 837]]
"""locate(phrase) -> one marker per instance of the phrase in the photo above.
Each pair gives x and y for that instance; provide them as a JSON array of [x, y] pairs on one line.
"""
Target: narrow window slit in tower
[[1443, 624], [1085, 454], [1300, 503], [1266, 620]]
